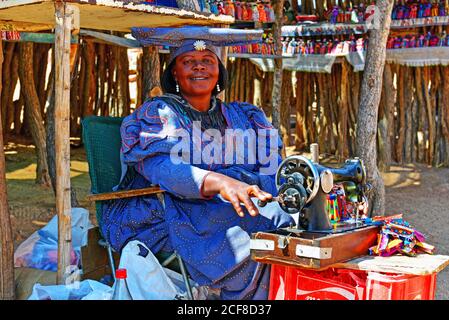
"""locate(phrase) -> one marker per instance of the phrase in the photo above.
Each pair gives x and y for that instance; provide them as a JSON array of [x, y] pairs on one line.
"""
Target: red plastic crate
[[288, 283], [400, 287]]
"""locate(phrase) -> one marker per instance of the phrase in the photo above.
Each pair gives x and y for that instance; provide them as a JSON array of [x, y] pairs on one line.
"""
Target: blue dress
[[207, 232]]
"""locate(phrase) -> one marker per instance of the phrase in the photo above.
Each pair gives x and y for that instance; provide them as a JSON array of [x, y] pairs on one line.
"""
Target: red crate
[[289, 283], [400, 287]]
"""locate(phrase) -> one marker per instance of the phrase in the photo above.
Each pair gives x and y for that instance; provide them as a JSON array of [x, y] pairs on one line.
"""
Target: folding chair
[[102, 142]]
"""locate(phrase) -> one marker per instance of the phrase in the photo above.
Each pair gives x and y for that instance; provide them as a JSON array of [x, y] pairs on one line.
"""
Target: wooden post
[[6, 92], [299, 142], [445, 116], [343, 111], [6, 241], [150, 71], [33, 112], [63, 16]]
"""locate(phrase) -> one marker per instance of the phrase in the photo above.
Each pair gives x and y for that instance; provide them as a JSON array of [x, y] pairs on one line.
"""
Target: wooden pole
[[286, 93], [6, 92], [150, 71], [6, 241], [445, 115], [63, 14], [343, 111], [299, 142], [401, 116], [33, 112]]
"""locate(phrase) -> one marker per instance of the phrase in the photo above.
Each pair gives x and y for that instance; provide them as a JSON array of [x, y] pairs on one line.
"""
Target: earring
[[177, 87], [218, 87]]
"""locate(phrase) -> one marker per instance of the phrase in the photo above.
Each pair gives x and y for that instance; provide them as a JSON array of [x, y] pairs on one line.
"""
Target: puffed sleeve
[[148, 136], [263, 127], [268, 144]]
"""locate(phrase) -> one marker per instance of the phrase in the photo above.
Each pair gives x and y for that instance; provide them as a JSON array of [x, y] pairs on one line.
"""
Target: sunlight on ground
[[77, 168], [404, 176]]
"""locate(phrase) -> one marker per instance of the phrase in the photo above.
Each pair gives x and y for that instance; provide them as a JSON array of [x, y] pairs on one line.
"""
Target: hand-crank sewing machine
[[330, 204], [304, 188]]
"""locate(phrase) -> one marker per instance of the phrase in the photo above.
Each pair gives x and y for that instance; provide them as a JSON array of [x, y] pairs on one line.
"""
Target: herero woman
[[207, 214]]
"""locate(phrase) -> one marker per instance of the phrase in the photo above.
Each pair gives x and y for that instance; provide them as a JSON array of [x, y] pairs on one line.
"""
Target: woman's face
[[196, 72]]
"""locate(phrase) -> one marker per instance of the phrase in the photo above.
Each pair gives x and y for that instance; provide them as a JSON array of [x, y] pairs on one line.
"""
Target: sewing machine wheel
[[299, 170]]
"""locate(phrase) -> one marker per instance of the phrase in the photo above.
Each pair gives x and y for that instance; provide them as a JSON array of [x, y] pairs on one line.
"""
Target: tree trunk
[[50, 130], [88, 97], [150, 71], [285, 106], [300, 140], [40, 72], [401, 115], [408, 115], [14, 75], [445, 116], [276, 93], [123, 82], [101, 78], [33, 112], [343, 111], [6, 72], [6, 241], [430, 116], [385, 121], [369, 105]]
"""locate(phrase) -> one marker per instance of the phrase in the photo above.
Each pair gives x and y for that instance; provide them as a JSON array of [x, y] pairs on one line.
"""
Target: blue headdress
[[194, 38]]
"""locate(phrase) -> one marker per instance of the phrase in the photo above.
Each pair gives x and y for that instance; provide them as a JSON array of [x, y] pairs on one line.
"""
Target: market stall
[[324, 51]]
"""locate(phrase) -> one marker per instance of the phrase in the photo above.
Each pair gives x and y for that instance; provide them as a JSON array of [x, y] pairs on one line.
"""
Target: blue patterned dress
[[212, 239]]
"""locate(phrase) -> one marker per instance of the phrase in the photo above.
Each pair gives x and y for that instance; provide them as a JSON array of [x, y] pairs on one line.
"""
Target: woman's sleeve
[[269, 146], [264, 129], [183, 180], [148, 136]]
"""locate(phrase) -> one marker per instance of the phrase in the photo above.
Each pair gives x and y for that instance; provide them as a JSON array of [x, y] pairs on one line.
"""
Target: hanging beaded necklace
[[210, 119]]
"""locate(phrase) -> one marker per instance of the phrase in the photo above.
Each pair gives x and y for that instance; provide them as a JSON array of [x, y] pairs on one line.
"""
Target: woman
[[207, 214]]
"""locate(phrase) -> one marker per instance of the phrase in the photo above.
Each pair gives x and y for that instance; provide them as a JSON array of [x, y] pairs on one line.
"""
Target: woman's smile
[[197, 73]]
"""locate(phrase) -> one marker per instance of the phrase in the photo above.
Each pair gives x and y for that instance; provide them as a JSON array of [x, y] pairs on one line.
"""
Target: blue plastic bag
[[84, 290], [40, 250]]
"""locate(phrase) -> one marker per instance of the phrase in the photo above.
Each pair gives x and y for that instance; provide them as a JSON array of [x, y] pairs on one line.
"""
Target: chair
[[102, 142]]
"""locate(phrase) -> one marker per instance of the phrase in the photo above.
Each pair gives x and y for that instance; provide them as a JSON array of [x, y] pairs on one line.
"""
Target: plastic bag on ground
[[148, 280], [84, 290], [40, 250]]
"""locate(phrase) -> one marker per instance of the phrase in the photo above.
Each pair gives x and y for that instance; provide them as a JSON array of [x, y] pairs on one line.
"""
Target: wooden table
[[422, 264]]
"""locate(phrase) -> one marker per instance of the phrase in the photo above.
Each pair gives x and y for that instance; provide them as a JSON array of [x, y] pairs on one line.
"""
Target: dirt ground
[[422, 195], [419, 192]]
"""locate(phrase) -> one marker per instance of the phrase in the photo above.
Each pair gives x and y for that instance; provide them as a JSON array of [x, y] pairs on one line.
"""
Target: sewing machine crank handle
[[262, 204]]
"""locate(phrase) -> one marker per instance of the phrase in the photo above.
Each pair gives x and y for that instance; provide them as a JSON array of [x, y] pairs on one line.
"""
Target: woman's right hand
[[234, 191]]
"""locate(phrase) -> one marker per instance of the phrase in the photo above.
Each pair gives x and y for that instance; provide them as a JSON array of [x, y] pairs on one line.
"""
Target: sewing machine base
[[315, 250], [337, 228]]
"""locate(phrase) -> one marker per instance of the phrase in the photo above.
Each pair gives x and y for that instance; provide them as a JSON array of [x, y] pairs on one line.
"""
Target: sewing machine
[[317, 241], [303, 188]]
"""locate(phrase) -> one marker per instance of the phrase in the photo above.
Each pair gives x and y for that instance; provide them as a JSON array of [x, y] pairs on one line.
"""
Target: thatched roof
[[37, 15]]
